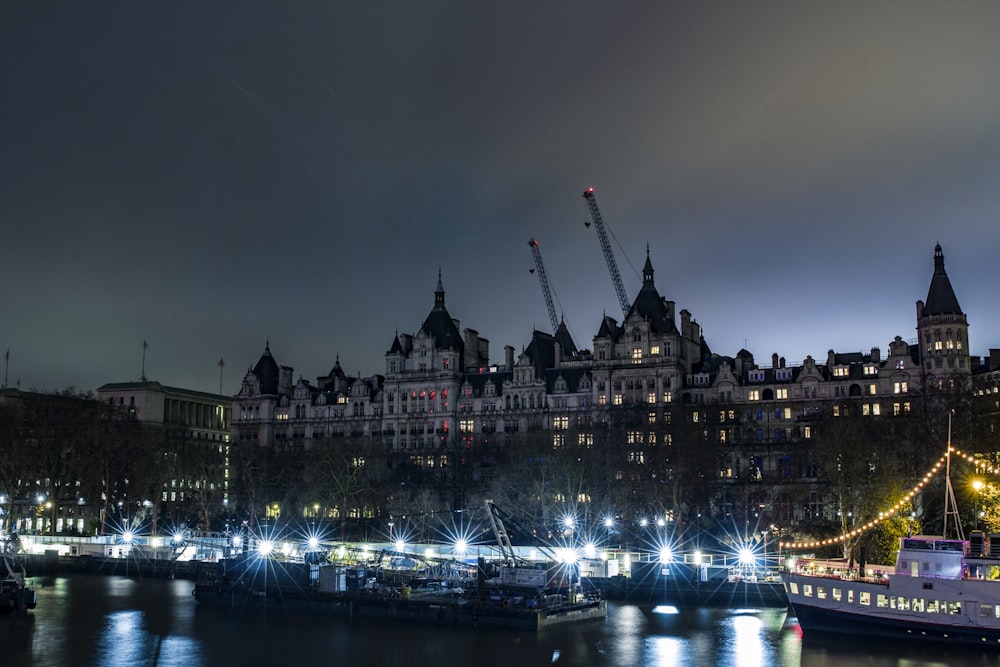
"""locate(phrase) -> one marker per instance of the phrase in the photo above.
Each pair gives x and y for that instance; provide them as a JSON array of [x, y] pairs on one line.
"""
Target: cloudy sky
[[206, 176]]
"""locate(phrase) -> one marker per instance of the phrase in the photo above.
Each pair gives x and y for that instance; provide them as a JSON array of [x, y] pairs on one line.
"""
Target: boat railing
[[844, 570]]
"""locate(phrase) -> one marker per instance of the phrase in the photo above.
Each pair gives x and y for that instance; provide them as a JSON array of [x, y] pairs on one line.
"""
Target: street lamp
[[977, 485]]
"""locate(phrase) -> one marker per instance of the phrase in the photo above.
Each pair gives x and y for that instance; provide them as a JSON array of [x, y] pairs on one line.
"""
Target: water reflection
[[101, 621]]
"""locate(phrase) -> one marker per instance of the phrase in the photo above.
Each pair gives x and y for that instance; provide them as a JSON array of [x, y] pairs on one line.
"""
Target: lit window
[[900, 387], [618, 399], [753, 395], [636, 355], [781, 394], [872, 390], [651, 397], [654, 350], [841, 371], [807, 432]]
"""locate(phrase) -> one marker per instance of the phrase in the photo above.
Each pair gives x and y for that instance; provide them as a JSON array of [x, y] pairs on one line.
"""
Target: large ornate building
[[643, 376]]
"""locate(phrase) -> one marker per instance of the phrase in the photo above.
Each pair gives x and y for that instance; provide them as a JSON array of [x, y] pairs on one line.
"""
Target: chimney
[[508, 353], [876, 355], [774, 360]]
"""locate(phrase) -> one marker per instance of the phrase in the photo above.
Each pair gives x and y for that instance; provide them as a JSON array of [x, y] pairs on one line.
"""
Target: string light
[[886, 513]]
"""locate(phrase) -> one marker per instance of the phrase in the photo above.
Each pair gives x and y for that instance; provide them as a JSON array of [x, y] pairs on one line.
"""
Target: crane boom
[[544, 280], [500, 532], [609, 256]]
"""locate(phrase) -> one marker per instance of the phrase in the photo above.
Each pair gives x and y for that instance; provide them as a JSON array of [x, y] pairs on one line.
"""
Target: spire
[[647, 269], [439, 292], [941, 297]]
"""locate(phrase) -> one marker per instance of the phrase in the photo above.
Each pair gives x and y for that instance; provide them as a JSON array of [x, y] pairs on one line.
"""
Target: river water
[[92, 620]]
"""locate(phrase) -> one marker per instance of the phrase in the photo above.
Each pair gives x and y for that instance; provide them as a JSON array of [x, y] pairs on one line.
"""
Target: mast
[[950, 506]]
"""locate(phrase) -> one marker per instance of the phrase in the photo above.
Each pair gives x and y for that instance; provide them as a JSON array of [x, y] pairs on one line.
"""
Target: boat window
[[836, 594], [996, 611], [932, 606], [917, 604], [985, 610], [807, 590], [903, 603], [821, 592], [794, 587], [850, 596], [882, 600], [955, 607]]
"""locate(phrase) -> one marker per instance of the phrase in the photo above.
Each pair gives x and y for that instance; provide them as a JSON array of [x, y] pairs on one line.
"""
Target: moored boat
[[937, 592]]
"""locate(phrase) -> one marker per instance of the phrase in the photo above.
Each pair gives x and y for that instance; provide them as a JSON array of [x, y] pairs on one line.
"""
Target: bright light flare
[[568, 556], [237, 541], [128, 537], [461, 547], [666, 555], [178, 537], [265, 547], [400, 545], [746, 556], [313, 542]]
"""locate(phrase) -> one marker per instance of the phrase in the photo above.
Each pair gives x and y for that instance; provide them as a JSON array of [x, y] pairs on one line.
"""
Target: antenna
[[222, 363]]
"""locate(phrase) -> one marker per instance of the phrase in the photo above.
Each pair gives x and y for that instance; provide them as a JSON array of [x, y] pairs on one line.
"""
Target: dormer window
[[756, 376]]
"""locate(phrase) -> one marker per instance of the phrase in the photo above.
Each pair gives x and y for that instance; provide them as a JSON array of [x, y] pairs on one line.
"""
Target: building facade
[[650, 386]]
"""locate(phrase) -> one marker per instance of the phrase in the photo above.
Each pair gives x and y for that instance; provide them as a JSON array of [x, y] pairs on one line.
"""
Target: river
[[92, 620]]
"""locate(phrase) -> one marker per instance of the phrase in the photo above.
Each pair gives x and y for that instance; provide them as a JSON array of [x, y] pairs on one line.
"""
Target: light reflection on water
[[105, 621]]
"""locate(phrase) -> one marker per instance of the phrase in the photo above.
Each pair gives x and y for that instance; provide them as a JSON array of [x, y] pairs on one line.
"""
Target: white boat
[[936, 592]]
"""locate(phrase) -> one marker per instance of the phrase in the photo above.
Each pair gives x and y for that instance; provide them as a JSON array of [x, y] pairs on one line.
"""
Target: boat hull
[[817, 620]]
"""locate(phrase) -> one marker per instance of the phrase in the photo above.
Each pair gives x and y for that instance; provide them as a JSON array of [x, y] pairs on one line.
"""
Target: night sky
[[206, 176]]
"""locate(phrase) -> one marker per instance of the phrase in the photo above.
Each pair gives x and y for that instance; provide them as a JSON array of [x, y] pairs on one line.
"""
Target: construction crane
[[544, 280], [609, 256], [507, 555]]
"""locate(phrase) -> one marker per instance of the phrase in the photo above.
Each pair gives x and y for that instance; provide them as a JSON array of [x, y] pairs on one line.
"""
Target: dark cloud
[[210, 175]]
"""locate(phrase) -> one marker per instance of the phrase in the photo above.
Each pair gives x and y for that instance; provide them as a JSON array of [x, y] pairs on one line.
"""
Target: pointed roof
[[941, 299], [650, 305], [439, 324], [565, 340], [266, 371]]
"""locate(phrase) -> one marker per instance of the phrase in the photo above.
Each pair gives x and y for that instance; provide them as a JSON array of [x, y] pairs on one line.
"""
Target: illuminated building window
[[618, 399], [633, 437], [558, 440], [585, 439], [636, 355], [753, 395], [602, 399], [872, 390], [651, 438], [651, 397], [841, 372], [900, 387], [636, 457], [560, 423], [667, 397], [871, 369], [695, 417], [654, 350], [781, 394], [723, 435], [651, 418]]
